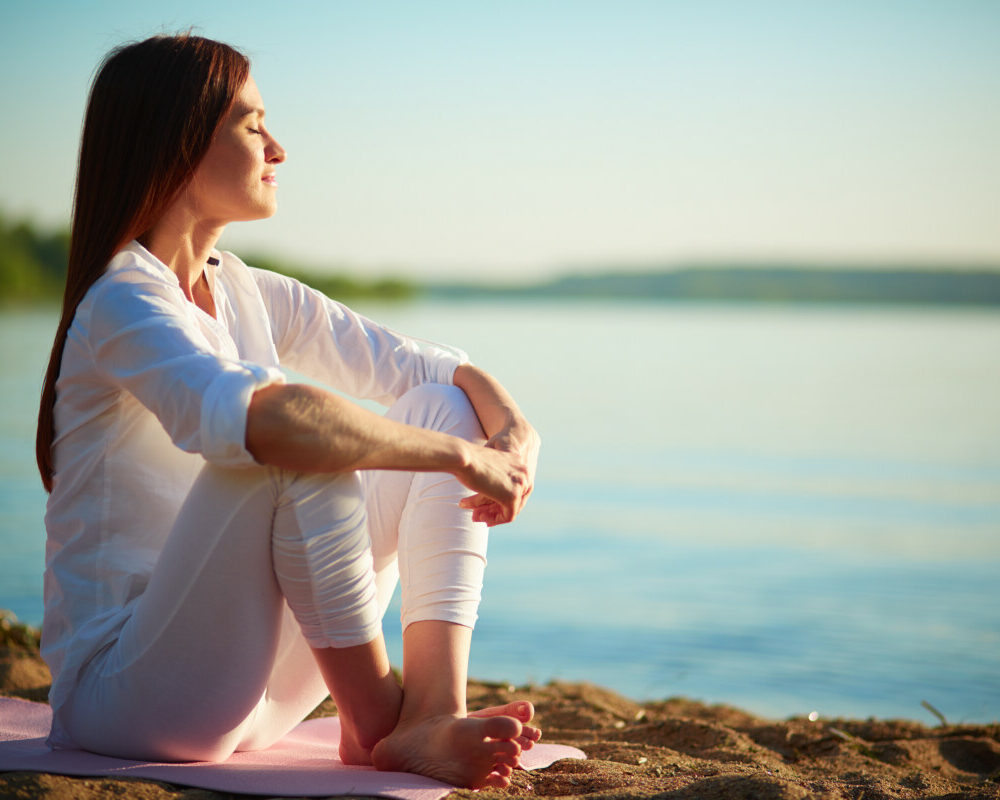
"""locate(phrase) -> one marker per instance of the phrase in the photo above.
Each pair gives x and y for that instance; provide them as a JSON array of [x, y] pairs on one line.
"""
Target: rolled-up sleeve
[[224, 411], [144, 343]]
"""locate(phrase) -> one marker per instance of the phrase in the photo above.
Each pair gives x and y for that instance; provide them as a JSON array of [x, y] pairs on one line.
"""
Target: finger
[[490, 510], [485, 507], [472, 501], [488, 515], [498, 515]]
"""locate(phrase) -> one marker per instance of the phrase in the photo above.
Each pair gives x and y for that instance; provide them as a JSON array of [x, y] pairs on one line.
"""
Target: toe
[[501, 727], [496, 781], [506, 750], [505, 761], [521, 710], [529, 735]]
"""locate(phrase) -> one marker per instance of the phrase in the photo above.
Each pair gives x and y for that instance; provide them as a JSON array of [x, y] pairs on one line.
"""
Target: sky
[[516, 140]]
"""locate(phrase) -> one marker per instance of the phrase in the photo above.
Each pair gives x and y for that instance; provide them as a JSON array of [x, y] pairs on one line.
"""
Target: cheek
[[227, 164], [246, 168]]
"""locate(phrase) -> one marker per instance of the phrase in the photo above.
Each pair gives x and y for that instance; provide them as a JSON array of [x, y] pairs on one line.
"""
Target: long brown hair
[[153, 110]]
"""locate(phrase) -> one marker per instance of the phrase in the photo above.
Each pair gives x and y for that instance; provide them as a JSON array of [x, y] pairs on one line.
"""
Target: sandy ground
[[674, 748]]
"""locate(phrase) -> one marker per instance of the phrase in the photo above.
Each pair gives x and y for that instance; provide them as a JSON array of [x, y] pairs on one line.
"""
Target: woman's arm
[[507, 431], [307, 429], [338, 347]]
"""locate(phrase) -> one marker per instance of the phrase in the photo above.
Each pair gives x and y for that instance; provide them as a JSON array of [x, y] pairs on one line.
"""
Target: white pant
[[261, 564]]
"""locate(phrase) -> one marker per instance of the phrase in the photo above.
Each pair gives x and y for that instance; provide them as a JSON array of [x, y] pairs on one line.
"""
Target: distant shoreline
[[759, 284], [783, 285], [33, 270]]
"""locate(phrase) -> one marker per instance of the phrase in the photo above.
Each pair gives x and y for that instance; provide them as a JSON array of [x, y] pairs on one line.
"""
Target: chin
[[259, 213]]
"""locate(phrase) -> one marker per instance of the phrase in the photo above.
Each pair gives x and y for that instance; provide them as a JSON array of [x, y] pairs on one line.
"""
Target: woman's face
[[236, 179]]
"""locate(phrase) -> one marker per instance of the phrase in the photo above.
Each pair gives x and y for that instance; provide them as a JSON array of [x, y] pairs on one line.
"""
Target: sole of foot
[[472, 752]]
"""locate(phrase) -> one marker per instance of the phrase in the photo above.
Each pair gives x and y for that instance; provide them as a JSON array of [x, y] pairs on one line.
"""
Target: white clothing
[[212, 659], [150, 389]]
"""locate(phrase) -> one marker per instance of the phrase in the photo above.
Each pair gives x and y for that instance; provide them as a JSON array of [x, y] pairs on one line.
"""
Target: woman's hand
[[307, 429], [509, 434], [500, 502]]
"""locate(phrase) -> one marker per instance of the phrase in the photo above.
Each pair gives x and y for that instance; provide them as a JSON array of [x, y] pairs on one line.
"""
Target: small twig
[[934, 711], [856, 742]]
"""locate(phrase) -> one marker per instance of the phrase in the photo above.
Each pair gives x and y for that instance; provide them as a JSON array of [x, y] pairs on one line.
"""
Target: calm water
[[788, 509]]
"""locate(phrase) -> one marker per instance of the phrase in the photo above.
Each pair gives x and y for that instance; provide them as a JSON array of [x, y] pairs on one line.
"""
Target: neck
[[186, 256], [185, 244]]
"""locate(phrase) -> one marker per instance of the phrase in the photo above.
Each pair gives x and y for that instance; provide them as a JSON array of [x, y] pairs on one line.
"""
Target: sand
[[673, 748]]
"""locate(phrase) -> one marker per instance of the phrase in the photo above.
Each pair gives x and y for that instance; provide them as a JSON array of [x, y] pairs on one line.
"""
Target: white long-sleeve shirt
[[150, 388]]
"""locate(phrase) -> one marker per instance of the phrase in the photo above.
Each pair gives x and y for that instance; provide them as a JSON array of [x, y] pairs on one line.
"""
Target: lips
[[270, 180]]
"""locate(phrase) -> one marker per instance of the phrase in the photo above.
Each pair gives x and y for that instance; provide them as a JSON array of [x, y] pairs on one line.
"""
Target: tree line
[[33, 269], [32, 261]]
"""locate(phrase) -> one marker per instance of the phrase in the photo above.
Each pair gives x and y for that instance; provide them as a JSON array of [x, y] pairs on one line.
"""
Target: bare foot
[[463, 751], [522, 711], [351, 751]]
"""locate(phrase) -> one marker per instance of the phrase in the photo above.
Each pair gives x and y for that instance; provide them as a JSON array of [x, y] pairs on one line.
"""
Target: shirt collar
[[149, 259]]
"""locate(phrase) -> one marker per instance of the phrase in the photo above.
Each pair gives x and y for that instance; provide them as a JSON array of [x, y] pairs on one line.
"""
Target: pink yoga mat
[[304, 763]]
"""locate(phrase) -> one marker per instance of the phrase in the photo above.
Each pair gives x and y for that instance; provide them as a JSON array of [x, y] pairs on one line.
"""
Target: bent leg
[[416, 525], [323, 561], [210, 662], [211, 659], [441, 556], [412, 518], [435, 736]]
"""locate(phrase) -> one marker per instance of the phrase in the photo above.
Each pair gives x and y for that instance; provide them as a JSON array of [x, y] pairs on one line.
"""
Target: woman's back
[[120, 478]]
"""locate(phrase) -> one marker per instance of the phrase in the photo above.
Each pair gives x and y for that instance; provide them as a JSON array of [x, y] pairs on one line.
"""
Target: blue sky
[[510, 140]]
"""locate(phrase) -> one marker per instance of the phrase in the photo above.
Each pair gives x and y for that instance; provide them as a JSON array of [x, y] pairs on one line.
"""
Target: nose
[[274, 152]]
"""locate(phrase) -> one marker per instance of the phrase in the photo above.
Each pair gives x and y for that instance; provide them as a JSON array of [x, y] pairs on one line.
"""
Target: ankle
[[417, 713], [369, 732], [435, 660]]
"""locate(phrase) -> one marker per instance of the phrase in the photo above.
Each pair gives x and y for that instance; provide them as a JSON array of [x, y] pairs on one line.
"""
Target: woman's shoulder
[[135, 264], [266, 282], [231, 265], [232, 268], [133, 277]]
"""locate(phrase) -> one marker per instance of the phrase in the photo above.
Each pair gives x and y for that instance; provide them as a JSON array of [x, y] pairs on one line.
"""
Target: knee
[[438, 407], [428, 396]]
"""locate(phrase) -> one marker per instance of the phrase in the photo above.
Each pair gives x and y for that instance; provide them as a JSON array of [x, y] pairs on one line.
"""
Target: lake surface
[[784, 508]]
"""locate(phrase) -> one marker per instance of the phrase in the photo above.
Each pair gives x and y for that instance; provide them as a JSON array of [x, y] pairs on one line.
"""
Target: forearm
[[306, 429], [507, 430], [493, 404]]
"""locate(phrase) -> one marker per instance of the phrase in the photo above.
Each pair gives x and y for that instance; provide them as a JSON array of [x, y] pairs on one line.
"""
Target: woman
[[221, 544]]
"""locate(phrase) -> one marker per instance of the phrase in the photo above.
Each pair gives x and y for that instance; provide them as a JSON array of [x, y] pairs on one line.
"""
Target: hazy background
[[787, 506], [511, 140]]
